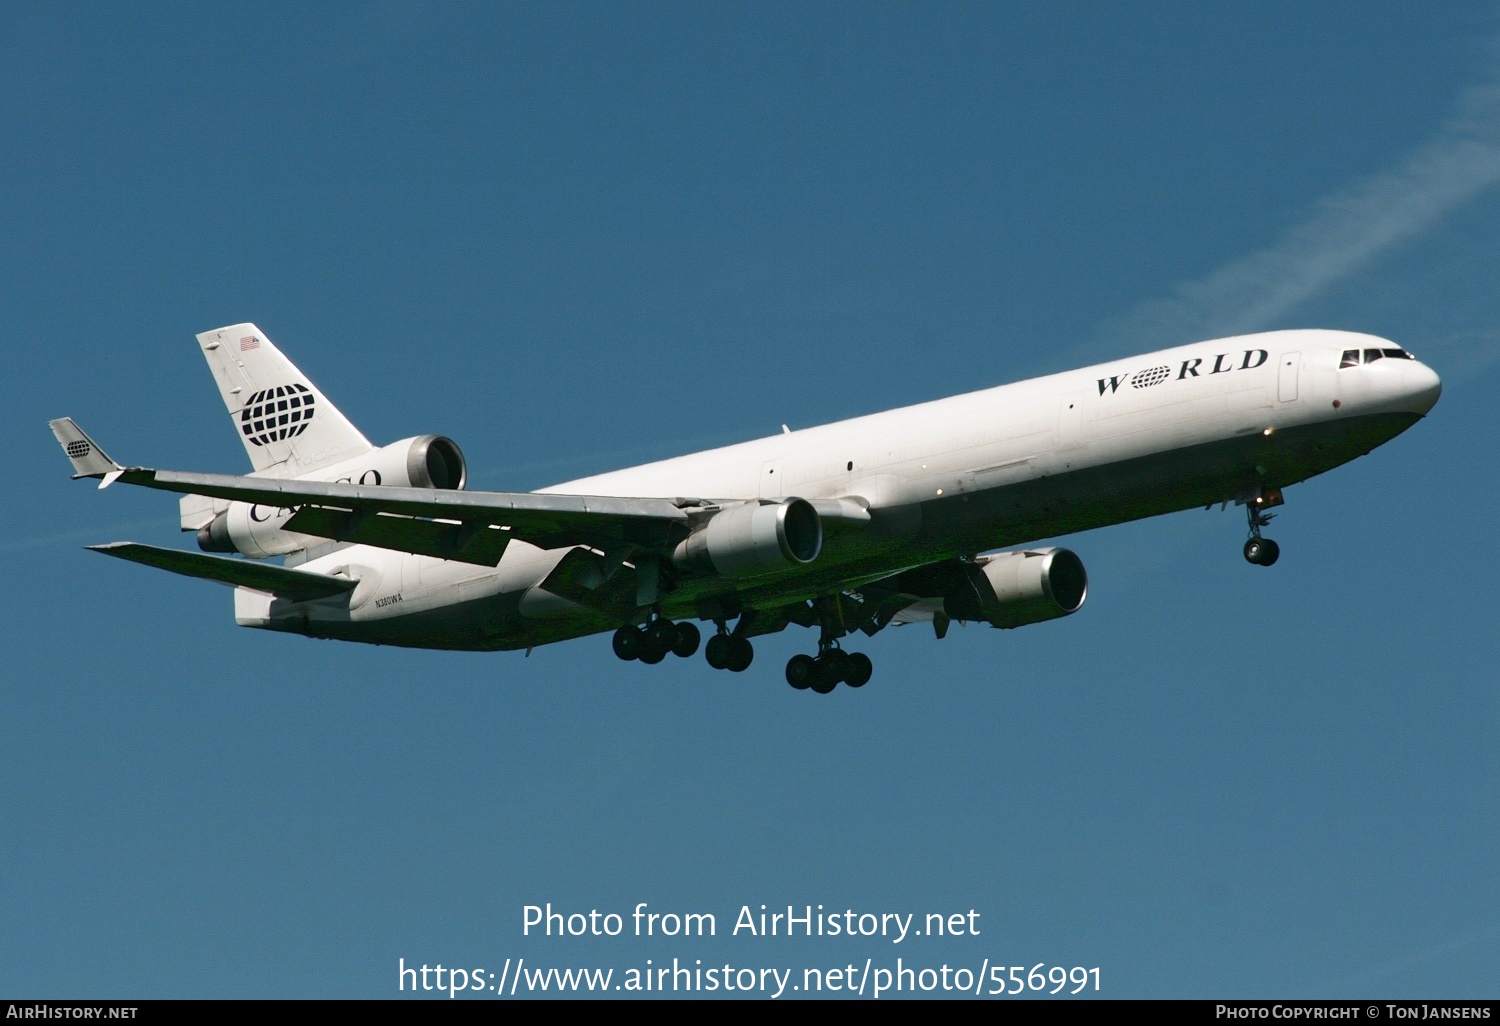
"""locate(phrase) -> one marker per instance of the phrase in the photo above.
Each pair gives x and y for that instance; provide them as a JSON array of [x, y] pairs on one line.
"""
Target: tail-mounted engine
[[427, 461], [1013, 589], [753, 539]]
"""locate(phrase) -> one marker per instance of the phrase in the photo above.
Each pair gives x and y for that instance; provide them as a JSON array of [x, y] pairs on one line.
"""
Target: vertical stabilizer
[[289, 428]]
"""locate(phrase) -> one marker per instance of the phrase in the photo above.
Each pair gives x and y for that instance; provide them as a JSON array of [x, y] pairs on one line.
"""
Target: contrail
[[1345, 231]]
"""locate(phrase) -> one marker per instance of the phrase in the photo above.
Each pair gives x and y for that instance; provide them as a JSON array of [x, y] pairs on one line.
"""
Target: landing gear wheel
[[1262, 551], [740, 654], [835, 664], [859, 671], [801, 671], [822, 683], [717, 651], [1258, 550], [651, 652], [627, 643], [663, 633], [686, 642]]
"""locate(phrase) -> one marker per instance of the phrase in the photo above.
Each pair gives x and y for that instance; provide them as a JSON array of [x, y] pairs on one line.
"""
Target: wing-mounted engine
[[753, 539], [1013, 589], [1009, 589], [426, 461]]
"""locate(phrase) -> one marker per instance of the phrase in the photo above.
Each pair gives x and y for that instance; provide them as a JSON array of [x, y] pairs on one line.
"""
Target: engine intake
[[753, 539], [1013, 589]]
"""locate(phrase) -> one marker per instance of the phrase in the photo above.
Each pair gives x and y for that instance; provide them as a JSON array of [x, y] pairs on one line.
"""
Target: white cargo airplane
[[849, 526]]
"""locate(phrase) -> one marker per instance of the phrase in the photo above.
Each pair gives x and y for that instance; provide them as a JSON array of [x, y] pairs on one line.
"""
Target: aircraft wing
[[469, 526], [438, 522], [297, 585], [446, 523]]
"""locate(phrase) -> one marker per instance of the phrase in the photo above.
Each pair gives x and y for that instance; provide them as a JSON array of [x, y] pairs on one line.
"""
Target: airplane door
[[1286, 379]]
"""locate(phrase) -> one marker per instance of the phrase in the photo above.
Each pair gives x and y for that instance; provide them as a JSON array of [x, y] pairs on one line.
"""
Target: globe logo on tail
[[276, 414]]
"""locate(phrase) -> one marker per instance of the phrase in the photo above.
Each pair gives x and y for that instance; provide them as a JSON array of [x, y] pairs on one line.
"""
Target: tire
[[1262, 551], [627, 643], [686, 642], [860, 670], [717, 651], [651, 651], [664, 633], [742, 653], [835, 664], [801, 671]]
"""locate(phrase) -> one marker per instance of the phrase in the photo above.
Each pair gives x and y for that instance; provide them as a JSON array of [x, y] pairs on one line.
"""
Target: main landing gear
[[731, 651], [651, 643], [1258, 550], [726, 651], [832, 665]]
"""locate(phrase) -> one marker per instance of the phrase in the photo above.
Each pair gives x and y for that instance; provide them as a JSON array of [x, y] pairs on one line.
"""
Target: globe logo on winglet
[[276, 414], [78, 449]]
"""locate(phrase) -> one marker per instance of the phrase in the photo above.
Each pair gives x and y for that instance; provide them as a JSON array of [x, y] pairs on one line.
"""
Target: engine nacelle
[[753, 539], [426, 461], [1012, 589]]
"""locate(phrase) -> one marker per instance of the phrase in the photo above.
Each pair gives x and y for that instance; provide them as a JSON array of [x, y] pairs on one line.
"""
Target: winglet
[[88, 459]]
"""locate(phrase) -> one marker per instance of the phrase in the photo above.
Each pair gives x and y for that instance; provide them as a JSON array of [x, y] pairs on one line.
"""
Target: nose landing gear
[[1258, 550], [1262, 551]]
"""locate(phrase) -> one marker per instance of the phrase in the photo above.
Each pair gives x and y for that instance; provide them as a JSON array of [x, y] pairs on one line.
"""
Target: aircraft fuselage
[[1225, 420]]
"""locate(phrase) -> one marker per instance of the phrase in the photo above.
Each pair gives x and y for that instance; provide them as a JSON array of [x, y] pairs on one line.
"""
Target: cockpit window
[[1351, 356]]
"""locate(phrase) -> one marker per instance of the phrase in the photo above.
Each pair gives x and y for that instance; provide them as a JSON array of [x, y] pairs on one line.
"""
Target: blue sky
[[575, 237]]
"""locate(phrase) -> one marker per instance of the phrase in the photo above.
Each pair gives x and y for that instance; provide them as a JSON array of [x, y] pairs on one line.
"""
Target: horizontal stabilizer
[[297, 585]]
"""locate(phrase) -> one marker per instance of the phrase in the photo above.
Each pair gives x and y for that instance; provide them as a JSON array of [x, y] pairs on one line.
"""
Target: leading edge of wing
[[546, 519], [297, 585]]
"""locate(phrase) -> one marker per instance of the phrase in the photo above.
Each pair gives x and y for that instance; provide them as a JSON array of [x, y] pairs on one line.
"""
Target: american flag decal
[[249, 342]]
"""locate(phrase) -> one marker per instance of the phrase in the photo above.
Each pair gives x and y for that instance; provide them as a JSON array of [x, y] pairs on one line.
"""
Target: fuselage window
[[1351, 359]]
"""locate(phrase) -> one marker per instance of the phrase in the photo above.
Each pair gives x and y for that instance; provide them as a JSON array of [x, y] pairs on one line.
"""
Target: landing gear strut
[[1258, 550]]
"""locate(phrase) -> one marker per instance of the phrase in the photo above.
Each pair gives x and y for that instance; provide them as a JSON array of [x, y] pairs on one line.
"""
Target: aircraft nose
[[1423, 387]]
